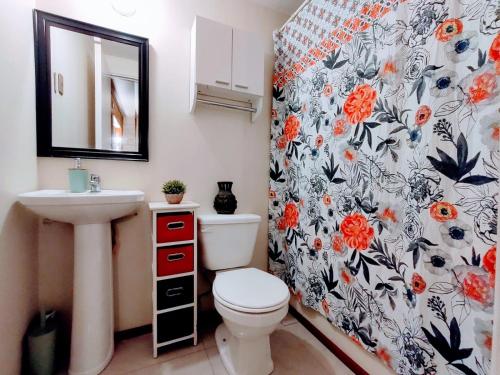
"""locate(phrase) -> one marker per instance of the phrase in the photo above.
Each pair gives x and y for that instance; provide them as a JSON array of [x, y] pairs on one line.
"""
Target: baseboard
[[348, 361], [133, 332]]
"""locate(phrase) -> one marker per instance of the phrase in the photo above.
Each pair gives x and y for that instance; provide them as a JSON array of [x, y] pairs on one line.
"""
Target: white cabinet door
[[248, 63], [213, 53]]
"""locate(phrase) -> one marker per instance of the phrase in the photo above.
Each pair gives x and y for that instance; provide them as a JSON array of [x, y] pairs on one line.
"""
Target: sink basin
[[82, 208], [92, 333]]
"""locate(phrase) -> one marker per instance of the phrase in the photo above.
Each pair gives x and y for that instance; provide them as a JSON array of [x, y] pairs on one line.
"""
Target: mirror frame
[[41, 24]]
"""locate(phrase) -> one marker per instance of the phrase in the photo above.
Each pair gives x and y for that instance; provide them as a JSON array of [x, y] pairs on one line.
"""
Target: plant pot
[[225, 201], [174, 198]]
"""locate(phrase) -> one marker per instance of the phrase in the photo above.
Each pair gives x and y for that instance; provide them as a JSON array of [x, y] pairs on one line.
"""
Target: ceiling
[[282, 6]]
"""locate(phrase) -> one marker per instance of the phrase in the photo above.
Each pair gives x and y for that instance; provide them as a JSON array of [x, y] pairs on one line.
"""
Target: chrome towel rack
[[227, 105]]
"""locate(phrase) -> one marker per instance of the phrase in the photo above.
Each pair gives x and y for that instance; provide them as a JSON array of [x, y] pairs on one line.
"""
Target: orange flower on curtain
[[357, 232], [359, 104]]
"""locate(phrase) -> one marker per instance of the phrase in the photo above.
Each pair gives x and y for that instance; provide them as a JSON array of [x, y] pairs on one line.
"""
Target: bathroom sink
[[92, 333], [82, 208]]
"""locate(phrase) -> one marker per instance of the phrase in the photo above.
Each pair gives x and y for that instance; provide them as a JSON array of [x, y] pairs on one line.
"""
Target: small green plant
[[174, 187]]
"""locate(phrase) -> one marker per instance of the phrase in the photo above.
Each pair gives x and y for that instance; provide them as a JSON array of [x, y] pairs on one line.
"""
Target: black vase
[[225, 202]]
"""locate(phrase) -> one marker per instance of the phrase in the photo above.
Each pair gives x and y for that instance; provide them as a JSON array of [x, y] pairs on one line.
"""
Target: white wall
[[201, 149], [71, 54], [18, 173]]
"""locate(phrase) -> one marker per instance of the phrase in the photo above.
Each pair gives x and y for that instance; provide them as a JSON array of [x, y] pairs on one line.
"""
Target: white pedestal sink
[[92, 342]]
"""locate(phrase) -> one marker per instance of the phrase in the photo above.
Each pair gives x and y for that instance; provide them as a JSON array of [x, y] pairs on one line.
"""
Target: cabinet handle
[[241, 87], [175, 257], [174, 291], [175, 225], [222, 82]]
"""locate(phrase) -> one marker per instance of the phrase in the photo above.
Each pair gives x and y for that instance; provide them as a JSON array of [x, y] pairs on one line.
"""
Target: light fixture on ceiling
[[125, 8]]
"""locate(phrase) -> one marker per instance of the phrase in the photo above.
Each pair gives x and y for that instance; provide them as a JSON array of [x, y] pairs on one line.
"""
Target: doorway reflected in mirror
[[123, 121]]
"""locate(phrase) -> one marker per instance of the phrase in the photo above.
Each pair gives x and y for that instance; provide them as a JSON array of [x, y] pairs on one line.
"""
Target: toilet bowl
[[251, 302]]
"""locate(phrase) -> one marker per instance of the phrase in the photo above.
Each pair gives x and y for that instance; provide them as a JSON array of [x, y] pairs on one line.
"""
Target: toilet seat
[[250, 290]]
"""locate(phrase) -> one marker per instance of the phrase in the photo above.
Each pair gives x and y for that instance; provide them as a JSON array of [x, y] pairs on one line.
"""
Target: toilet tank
[[227, 241]]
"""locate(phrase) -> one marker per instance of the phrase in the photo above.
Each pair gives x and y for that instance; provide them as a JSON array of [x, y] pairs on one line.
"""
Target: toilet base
[[244, 356]]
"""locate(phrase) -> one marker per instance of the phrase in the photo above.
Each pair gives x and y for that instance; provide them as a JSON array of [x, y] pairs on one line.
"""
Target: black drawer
[[175, 324], [175, 292]]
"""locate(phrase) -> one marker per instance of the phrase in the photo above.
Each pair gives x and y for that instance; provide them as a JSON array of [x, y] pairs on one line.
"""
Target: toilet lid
[[250, 288]]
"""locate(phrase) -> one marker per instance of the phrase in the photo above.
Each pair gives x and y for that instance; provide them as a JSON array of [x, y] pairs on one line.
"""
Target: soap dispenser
[[78, 178]]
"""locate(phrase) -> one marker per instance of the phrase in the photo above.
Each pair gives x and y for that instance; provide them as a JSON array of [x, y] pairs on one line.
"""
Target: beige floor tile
[[137, 353], [289, 319], [209, 341], [295, 351], [208, 323], [292, 355], [215, 361], [191, 364], [319, 353], [207, 338]]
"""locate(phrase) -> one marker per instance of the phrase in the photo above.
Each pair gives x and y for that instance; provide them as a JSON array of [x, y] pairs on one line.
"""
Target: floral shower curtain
[[384, 175]]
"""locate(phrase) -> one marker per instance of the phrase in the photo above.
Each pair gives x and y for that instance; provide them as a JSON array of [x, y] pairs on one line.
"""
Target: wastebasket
[[42, 343]]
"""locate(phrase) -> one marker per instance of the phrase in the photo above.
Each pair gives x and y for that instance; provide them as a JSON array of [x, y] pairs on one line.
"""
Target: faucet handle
[[95, 183]]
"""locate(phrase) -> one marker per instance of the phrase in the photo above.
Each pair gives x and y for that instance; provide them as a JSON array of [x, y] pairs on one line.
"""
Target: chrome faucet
[[95, 183]]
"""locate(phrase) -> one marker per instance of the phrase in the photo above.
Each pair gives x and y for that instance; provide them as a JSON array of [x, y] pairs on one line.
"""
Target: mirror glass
[[92, 90], [95, 92]]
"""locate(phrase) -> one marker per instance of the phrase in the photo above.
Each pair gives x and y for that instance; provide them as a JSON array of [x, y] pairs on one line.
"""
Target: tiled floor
[[294, 349]]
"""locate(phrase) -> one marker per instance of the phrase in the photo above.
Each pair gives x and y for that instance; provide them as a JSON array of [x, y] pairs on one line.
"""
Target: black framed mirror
[[91, 90]]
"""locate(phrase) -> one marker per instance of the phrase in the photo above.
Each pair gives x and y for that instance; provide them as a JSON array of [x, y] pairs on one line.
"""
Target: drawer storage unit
[[174, 273]]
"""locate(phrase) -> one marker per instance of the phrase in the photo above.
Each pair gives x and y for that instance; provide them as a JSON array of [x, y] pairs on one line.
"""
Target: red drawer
[[174, 227], [173, 260]]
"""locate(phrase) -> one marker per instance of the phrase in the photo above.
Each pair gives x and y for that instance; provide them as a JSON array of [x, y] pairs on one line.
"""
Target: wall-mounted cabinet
[[247, 63], [213, 50], [227, 67]]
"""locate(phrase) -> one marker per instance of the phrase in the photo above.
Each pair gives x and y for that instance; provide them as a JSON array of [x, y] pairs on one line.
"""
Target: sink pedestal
[[91, 214], [92, 331]]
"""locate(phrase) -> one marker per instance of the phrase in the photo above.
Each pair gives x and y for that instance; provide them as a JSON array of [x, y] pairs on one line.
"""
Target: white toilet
[[250, 301]]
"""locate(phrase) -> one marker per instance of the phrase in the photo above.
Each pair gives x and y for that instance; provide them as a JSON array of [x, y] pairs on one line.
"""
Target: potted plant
[[174, 191]]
